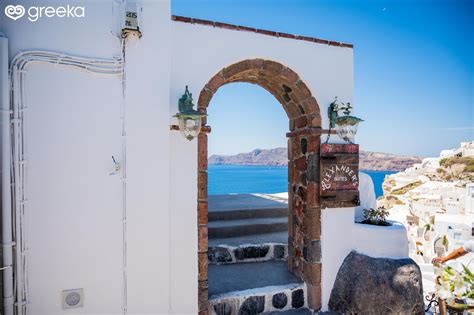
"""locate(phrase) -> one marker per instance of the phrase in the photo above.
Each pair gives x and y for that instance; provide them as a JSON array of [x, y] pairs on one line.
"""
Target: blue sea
[[243, 179]]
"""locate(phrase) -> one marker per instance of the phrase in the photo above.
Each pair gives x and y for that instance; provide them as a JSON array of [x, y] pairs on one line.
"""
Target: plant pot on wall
[[390, 241]]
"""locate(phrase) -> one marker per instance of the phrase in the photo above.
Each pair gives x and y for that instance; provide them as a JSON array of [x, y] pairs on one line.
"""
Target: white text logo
[[35, 13]]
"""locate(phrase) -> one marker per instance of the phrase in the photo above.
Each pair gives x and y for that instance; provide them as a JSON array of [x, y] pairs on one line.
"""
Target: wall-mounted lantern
[[346, 125], [190, 120]]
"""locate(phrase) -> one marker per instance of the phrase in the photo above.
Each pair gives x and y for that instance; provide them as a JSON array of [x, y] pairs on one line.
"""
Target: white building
[[108, 199], [430, 165], [466, 149], [469, 199]]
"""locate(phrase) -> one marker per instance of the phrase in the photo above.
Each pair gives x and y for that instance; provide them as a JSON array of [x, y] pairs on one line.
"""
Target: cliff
[[372, 161]]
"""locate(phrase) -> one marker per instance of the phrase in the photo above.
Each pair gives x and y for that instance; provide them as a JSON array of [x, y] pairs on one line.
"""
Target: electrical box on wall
[[131, 22]]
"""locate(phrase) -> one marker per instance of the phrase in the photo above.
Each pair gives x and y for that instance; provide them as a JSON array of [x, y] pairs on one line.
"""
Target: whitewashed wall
[[202, 51], [336, 244], [59, 101], [161, 165]]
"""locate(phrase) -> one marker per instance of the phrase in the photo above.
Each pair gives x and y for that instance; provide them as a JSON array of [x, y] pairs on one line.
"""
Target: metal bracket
[[204, 129], [5, 267], [433, 300]]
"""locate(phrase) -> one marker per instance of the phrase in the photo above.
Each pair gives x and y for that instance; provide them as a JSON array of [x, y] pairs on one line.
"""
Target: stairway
[[247, 257], [246, 228], [232, 216]]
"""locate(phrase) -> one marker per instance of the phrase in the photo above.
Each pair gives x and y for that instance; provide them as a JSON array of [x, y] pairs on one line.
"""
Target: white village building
[[466, 149]]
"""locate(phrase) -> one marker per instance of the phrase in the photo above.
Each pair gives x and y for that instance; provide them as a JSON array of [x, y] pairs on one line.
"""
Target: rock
[[249, 252], [219, 255], [279, 300], [297, 298], [366, 285], [253, 305], [279, 251], [223, 309]]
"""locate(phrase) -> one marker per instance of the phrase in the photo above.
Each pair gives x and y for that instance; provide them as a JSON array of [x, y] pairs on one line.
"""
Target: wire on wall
[[18, 108]]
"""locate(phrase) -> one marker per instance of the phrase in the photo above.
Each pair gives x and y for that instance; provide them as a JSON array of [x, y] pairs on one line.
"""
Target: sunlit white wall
[[161, 165], [75, 220], [200, 52]]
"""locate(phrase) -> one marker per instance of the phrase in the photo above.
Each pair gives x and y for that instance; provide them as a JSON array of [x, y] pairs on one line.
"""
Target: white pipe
[[7, 246]]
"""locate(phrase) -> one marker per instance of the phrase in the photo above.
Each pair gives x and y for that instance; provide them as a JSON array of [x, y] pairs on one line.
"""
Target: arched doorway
[[304, 211]]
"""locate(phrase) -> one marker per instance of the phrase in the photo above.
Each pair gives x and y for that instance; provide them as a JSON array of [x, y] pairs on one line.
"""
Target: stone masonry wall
[[304, 215]]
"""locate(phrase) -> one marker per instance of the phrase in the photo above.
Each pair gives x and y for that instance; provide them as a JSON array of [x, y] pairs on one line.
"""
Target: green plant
[[376, 216], [469, 168], [467, 160], [444, 240], [443, 161], [403, 190]]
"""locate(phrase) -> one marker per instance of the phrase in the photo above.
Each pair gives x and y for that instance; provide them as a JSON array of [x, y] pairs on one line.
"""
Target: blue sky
[[413, 62]]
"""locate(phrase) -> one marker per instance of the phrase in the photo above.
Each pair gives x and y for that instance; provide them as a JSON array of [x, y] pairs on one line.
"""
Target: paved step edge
[[226, 254], [247, 222], [220, 215], [259, 300], [241, 230]]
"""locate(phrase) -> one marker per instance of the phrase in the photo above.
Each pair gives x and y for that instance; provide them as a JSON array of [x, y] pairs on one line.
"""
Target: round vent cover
[[72, 298]]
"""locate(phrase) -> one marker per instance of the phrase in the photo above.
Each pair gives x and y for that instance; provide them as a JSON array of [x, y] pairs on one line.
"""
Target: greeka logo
[[15, 12]]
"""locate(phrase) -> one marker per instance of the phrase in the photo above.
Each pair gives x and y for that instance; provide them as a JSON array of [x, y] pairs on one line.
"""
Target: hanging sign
[[339, 175]]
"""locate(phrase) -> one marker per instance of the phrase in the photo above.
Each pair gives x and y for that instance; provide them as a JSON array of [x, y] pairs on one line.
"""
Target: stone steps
[[234, 216], [239, 214], [235, 228], [247, 253], [297, 311], [252, 288], [254, 239], [246, 206], [225, 254], [245, 202], [302, 311]]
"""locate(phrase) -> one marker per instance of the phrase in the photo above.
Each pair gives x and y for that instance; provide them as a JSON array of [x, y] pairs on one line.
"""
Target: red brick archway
[[304, 211]]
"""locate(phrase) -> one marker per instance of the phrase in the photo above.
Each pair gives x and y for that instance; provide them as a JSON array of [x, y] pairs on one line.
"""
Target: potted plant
[[376, 216], [375, 231]]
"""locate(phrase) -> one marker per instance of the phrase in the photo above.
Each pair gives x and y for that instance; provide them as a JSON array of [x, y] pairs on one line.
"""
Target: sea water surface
[[247, 179]]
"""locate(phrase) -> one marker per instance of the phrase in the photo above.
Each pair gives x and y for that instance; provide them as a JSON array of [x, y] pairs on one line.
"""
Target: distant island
[[370, 161]]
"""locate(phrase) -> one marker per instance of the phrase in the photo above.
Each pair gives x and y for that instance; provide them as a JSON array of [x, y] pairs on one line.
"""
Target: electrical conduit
[[7, 245]]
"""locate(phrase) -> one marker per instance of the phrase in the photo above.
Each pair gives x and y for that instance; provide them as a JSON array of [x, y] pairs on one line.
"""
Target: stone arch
[[304, 210], [283, 83]]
